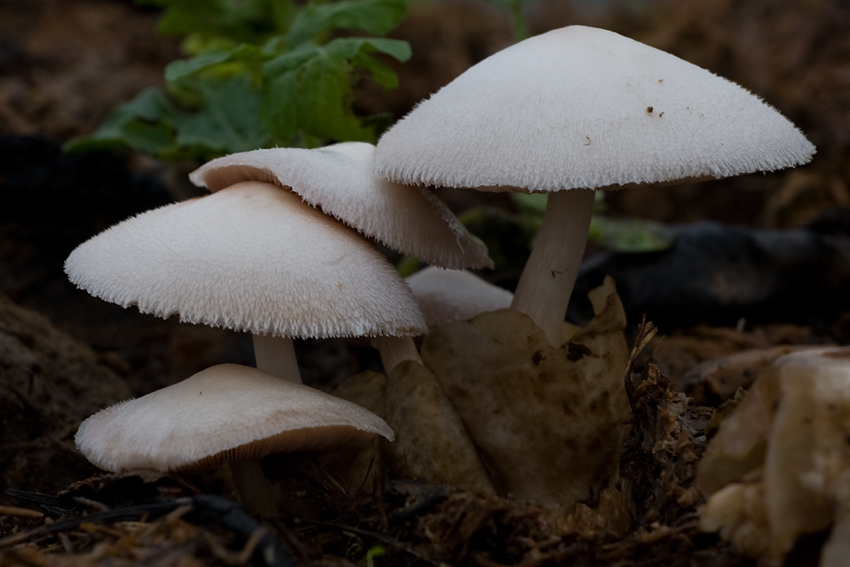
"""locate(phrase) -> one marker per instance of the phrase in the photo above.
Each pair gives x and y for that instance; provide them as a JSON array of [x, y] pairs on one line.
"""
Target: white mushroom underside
[[580, 107], [340, 180], [253, 257], [227, 412]]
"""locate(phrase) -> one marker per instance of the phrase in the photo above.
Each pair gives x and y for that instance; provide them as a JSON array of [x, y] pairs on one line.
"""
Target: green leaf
[[407, 265], [322, 99], [534, 204], [374, 551], [177, 70], [145, 124], [228, 122], [375, 17], [309, 89], [279, 109], [263, 74], [381, 73], [395, 48], [242, 21]]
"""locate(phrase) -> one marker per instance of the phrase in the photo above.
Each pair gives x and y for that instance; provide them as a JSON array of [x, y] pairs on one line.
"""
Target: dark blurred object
[[833, 222], [719, 274], [40, 183]]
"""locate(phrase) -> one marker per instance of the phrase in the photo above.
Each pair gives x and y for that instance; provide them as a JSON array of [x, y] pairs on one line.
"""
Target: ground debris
[[666, 441], [201, 530], [442, 526]]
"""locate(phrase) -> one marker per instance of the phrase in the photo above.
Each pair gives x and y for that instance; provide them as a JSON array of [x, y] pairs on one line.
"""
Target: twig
[[20, 512], [646, 332], [125, 514], [240, 557]]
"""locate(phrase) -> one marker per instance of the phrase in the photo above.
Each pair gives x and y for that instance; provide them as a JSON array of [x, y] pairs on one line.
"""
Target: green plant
[[261, 73]]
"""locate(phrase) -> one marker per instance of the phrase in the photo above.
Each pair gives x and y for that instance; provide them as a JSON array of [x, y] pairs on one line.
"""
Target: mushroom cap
[[447, 296], [340, 180], [252, 258], [224, 413], [581, 107]]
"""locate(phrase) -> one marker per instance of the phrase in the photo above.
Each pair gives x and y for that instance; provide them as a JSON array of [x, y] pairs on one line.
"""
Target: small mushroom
[[225, 414], [575, 110], [447, 296]]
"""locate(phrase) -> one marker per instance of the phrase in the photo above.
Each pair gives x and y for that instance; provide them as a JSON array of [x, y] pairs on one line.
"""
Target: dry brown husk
[[548, 422], [431, 441]]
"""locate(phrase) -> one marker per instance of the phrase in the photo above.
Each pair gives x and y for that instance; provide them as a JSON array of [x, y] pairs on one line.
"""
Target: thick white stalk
[[276, 355], [549, 276], [394, 350]]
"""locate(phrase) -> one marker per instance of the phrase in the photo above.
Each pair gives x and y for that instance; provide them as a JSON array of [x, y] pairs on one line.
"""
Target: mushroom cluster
[[281, 248], [266, 253]]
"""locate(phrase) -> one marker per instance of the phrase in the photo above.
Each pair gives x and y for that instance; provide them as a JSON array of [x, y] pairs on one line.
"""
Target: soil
[[63, 354]]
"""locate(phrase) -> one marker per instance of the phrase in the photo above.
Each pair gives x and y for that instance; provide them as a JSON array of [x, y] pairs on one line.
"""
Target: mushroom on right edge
[[575, 110]]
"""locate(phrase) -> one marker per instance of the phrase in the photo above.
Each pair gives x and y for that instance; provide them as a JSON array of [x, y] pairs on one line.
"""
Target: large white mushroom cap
[[580, 107], [340, 180], [224, 413], [252, 258]]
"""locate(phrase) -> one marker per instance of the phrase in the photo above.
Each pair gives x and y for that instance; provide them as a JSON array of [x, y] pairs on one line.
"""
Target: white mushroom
[[574, 110], [225, 414], [447, 296], [250, 258]]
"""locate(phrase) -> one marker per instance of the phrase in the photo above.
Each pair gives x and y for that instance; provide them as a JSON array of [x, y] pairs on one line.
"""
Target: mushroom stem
[[253, 488], [394, 350], [547, 280], [276, 355]]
